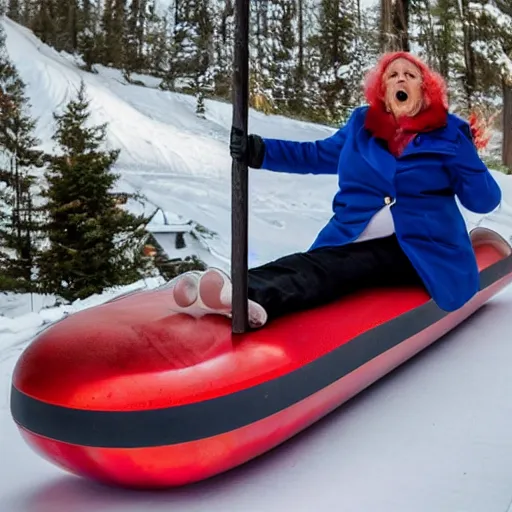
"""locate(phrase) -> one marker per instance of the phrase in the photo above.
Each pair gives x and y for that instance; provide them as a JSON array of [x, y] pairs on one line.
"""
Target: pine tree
[[26, 12], [114, 33], [203, 81], [93, 243], [66, 23], [14, 10], [135, 35], [43, 24], [281, 43], [192, 49], [304, 101], [469, 82], [157, 41], [223, 43], [183, 48], [446, 42], [260, 79], [89, 43], [19, 158], [494, 19], [494, 44], [365, 52], [333, 44]]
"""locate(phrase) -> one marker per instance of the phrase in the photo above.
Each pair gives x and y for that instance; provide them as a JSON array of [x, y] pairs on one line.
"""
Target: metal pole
[[239, 172]]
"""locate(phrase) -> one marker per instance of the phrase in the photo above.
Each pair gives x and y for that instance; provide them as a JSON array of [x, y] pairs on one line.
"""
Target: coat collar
[[398, 133]]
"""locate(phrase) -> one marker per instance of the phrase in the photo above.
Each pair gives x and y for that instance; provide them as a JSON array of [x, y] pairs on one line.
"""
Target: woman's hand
[[249, 150]]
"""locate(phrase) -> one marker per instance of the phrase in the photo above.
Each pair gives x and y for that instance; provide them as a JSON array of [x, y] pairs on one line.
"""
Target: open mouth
[[401, 96]]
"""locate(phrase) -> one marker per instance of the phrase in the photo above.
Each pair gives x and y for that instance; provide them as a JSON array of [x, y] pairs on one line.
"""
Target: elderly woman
[[400, 161]]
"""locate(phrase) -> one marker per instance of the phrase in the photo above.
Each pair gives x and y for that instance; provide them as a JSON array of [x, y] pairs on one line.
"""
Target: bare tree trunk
[[506, 153], [401, 24], [469, 54], [432, 50], [72, 27], [507, 123], [386, 26], [300, 64], [394, 25]]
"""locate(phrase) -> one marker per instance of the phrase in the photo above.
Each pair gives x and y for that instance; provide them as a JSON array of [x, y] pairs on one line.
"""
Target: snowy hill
[[181, 162], [434, 437]]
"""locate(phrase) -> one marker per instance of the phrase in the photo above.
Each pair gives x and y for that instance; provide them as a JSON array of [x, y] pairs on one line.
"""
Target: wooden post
[[239, 172]]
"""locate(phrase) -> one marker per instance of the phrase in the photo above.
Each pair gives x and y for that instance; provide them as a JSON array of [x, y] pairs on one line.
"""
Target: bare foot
[[210, 292], [215, 291]]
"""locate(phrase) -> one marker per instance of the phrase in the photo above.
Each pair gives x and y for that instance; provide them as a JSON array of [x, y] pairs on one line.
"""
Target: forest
[[308, 57]]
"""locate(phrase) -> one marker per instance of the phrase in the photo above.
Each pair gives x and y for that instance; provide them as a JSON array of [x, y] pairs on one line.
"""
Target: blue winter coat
[[421, 184]]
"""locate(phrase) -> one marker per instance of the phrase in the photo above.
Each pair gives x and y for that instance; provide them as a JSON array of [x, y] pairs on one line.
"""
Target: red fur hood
[[383, 124]]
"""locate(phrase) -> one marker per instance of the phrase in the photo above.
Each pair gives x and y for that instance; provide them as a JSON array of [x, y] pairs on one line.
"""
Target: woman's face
[[402, 85]]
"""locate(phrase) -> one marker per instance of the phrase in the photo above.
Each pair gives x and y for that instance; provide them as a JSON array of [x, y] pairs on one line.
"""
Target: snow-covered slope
[[181, 162], [432, 438]]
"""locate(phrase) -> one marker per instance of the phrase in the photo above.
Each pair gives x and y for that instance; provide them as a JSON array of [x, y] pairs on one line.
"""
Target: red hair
[[434, 92], [433, 86], [480, 129]]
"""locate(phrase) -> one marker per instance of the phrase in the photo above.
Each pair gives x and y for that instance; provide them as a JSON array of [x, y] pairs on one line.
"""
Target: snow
[[494, 50], [501, 19], [434, 435]]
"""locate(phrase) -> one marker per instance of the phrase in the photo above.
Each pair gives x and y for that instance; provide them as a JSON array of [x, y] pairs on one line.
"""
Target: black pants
[[305, 280]]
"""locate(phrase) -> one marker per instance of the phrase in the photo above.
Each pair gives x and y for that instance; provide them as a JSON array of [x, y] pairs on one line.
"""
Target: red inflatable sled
[[133, 394]]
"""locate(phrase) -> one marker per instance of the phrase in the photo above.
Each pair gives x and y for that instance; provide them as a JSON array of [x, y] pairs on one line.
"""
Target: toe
[[257, 315], [212, 290], [185, 291]]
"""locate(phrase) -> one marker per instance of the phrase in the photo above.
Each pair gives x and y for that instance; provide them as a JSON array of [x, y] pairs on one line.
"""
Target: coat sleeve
[[473, 184], [318, 157]]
